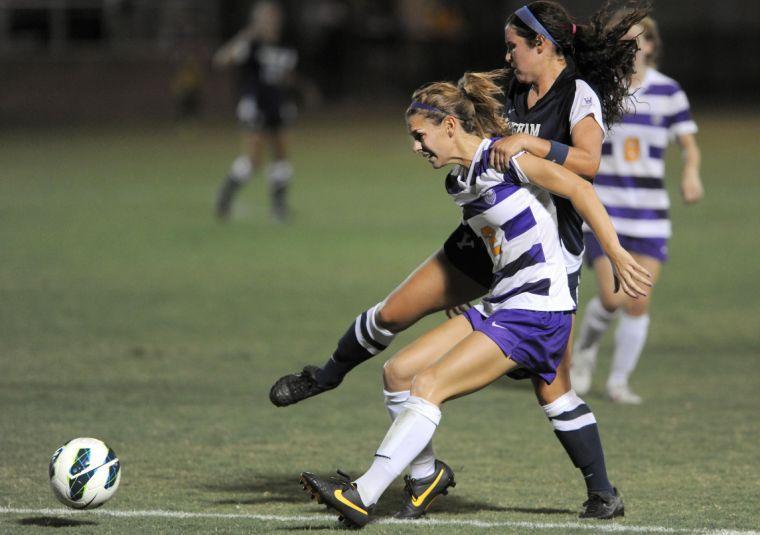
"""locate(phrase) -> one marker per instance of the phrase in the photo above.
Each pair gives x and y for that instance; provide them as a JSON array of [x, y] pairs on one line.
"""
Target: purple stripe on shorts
[[539, 287], [636, 213], [520, 224], [531, 257], [656, 248], [606, 148], [618, 181], [488, 199], [664, 90], [656, 152]]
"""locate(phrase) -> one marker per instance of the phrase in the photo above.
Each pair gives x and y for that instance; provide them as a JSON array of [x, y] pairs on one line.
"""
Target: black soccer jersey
[[553, 117]]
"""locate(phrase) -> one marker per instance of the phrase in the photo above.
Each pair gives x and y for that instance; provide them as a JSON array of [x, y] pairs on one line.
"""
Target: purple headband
[[530, 20], [427, 107]]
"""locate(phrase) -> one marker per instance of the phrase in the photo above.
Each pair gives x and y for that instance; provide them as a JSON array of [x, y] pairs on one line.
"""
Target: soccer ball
[[84, 473]]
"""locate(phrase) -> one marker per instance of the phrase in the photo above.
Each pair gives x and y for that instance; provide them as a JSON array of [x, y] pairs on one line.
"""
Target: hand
[[692, 190], [629, 275], [458, 310], [503, 149]]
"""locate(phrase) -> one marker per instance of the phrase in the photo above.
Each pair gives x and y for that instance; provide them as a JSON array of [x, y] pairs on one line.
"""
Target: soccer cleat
[[296, 387], [621, 393], [339, 494], [582, 369], [420, 493], [603, 505]]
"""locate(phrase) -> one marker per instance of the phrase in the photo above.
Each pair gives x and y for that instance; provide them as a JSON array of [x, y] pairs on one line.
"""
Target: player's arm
[[691, 185], [629, 274], [236, 49], [582, 157]]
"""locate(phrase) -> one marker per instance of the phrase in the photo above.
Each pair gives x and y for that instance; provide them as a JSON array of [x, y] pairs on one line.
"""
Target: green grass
[[128, 314]]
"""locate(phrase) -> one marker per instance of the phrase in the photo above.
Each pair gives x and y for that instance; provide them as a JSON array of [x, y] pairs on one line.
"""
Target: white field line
[[597, 527]]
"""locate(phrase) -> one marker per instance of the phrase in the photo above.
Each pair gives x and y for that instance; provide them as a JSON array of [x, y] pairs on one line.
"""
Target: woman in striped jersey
[[524, 321], [631, 185]]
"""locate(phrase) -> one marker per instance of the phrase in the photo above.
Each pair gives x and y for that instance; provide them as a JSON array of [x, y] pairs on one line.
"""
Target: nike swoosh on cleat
[[418, 501], [339, 496]]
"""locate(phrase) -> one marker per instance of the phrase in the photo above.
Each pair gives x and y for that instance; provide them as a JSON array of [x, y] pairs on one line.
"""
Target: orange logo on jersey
[[489, 235], [632, 149]]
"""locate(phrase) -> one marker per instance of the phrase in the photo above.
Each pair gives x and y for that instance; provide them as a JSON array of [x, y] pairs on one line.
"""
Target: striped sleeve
[[679, 119]]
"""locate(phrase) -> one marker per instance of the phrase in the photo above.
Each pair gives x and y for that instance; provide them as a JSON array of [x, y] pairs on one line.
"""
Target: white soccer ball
[[84, 473]]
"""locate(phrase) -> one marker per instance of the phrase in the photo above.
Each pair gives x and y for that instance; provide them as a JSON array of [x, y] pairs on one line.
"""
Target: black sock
[[576, 428], [354, 349]]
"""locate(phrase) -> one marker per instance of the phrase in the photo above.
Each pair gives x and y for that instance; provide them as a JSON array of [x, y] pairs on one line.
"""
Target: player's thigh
[[640, 306], [475, 362], [547, 393], [435, 285], [399, 371]]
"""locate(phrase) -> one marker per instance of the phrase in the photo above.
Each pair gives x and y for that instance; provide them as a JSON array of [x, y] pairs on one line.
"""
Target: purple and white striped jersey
[[517, 222], [630, 182]]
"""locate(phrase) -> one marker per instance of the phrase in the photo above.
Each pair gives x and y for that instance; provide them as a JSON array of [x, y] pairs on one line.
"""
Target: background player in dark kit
[[461, 270], [266, 66]]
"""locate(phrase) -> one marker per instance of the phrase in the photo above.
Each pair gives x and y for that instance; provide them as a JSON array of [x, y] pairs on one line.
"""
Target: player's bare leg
[[434, 286]]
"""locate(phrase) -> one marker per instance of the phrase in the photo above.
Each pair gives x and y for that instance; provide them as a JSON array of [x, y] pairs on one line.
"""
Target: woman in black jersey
[[561, 119]]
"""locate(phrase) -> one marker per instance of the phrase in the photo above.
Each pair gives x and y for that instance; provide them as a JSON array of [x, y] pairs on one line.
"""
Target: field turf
[[127, 313]]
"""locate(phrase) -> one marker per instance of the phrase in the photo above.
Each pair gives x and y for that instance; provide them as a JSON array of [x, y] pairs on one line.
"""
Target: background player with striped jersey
[[631, 185], [461, 271], [524, 321]]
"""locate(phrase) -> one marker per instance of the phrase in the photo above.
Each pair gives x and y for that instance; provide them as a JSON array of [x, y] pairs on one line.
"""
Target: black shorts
[[265, 112], [467, 252]]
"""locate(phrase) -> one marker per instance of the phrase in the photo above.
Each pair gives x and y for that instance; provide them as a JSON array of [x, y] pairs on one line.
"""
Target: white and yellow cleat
[[420, 493]]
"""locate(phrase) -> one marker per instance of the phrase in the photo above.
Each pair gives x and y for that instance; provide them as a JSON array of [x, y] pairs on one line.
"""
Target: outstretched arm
[[629, 274]]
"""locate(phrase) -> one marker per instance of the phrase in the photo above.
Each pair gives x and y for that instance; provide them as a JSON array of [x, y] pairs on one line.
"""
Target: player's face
[[520, 56], [646, 47], [430, 140]]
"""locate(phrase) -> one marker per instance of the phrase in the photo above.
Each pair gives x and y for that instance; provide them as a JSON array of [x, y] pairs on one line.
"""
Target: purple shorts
[[656, 248], [536, 340]]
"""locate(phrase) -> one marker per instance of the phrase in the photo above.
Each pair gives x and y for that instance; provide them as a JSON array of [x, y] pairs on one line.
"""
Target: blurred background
[[93, 60]]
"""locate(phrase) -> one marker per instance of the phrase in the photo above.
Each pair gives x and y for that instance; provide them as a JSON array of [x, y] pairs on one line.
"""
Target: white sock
[[409, 434], [630, 337], [596, 321], [424, 464], [280, 173], [241, 169]]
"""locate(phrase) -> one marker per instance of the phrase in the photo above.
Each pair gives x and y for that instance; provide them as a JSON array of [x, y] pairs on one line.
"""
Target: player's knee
[[396, 376], [426, 385], [637, 307], [610, 302]]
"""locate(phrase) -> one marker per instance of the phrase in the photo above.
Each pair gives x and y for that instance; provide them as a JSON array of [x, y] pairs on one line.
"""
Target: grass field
[[127, 313]]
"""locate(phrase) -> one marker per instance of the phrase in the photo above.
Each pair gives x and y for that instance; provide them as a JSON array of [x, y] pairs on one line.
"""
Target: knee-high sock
[[630, 337], [361, 341], [241, 169], [596, 321], [424, 464], [409, 433], [575, 427]]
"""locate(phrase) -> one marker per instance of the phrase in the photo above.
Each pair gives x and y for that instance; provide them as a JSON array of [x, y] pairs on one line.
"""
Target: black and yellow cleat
[[339, 494], [603, 505], [420, 493]]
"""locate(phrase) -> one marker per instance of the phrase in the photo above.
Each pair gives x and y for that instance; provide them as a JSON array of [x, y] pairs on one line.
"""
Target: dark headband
[[530, 20]]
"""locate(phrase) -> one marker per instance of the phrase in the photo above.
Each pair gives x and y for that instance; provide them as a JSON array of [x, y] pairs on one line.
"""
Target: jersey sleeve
[[679, 120], [516, 171], [586, 103]]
